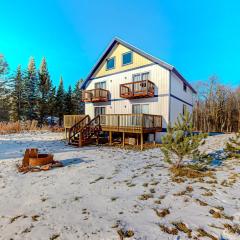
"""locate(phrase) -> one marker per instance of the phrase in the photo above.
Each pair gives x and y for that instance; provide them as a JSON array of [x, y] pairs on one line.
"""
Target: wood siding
[[117, 52]]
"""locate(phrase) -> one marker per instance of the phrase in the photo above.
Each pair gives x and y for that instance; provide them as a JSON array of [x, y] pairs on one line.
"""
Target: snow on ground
[[101, 190]]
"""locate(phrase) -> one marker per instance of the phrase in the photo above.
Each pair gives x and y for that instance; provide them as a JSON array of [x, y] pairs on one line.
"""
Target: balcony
[[95, 95], [139, 89]]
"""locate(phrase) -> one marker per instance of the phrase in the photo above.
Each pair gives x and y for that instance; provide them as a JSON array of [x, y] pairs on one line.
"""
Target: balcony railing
[[131, 122], [95, 95], [139, 89]]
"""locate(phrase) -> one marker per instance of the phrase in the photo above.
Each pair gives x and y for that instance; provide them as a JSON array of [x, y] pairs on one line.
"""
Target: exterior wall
[[158, 105], [179, 98], [117, 52]]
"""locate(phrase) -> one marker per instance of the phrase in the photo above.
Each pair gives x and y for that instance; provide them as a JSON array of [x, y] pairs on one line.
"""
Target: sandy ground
[[101, 190]]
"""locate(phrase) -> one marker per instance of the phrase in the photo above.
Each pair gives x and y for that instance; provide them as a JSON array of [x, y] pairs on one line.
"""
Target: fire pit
[[34, 162]]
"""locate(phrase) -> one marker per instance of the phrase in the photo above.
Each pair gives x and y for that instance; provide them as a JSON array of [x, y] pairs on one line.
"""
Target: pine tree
[[16, 96], [233, 146], [4, 89], [52, 103], [44, 89], [60, 101], [68, 103], [31, 92], [77, 98], [180, 141]]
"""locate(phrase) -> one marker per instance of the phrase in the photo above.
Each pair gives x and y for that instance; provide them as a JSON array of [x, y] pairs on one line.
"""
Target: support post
[[154, 138], [110, 138], [141, 141], [80, 139], [137, 139], [123, 139]]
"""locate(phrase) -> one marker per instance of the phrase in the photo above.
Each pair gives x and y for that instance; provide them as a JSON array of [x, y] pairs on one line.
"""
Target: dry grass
[[27, 126], [189, 172]]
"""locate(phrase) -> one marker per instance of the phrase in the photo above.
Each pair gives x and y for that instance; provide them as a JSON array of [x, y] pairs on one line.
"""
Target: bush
[[180, 141], [233, 146]]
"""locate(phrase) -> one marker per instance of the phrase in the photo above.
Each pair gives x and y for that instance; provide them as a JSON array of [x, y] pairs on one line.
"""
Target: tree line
[[29, 94], [217, 107]]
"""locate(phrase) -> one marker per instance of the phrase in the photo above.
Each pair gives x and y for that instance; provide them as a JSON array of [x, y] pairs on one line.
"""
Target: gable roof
[[140, 52]]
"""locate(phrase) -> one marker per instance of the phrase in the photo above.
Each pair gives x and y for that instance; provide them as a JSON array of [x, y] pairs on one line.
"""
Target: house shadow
[[73, 161]]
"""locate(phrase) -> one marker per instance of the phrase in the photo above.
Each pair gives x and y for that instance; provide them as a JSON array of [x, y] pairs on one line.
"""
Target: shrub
[[233, 146], [180, 141]]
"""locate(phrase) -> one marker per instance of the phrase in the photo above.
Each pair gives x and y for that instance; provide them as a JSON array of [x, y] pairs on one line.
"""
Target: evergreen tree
[[180, 141], [44, 90], [52, 103], [77, 98], [60, 101], [68, 104], [4, 89], [31, 92], [233, 146], [17, 96]]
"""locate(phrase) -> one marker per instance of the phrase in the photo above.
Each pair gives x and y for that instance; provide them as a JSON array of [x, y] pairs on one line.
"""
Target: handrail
[[96, 94], [144, 88], [78, 127]]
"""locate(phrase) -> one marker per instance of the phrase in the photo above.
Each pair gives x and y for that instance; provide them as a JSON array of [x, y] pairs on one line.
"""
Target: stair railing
[[93, 127], [76, 128]]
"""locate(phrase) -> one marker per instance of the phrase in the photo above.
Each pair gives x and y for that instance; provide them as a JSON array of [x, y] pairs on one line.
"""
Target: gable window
[[184, 87], [101, 85], [127, 58], [110, 63]]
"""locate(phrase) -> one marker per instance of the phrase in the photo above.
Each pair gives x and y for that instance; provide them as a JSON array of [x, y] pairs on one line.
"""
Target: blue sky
[[200, 37]]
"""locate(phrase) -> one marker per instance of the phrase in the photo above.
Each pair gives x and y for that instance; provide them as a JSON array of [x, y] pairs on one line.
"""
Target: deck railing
[[131, 122], [70, 120], [95, 95], [137, 89]]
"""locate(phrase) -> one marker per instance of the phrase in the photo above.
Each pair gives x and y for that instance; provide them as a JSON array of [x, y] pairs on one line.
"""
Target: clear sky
[[199, 37]]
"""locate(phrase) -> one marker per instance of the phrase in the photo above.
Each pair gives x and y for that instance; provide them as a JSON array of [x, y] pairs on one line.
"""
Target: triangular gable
[[138, 51]]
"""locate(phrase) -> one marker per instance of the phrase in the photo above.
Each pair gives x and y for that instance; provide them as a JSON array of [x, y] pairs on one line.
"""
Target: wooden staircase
[[84, 132]]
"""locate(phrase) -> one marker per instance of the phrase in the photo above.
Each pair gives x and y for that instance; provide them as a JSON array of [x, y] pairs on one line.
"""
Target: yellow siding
[[117, 52]]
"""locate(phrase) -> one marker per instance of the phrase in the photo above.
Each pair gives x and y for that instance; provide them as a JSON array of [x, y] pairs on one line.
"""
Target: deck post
[[137, 139], [154, 138], [123, 139], [110, 138], [141, 141], [80, 139]]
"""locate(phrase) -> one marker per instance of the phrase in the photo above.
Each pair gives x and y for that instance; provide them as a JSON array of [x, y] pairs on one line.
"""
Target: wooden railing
[[70, 120], [95, 95], [131, 122], [77, 127], [138, 89]]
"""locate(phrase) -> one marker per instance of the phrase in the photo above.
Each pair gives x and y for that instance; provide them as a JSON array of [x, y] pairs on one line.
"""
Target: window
[[127, 58], [184, 110], [101, 85], [184, 87], [99, 111], [110, 63], [141, 77], [140, 108]]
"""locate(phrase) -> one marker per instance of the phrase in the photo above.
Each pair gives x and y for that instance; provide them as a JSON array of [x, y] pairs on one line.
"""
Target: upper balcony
[[95, 95], [139, 89]]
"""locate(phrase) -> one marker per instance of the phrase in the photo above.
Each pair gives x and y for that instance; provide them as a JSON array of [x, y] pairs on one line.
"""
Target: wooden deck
[[95, 95], [139, 89], [131, 123], [127, 124]]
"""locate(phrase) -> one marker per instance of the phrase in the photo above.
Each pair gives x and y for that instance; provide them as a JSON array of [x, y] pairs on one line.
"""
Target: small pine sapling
[[233, 146], [181, 142]]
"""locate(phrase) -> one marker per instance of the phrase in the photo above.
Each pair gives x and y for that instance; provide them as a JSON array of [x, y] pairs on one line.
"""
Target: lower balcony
[[139, 89], [95, 95]]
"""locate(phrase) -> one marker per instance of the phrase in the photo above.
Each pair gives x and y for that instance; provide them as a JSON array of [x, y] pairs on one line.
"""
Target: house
[[134, 92]]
